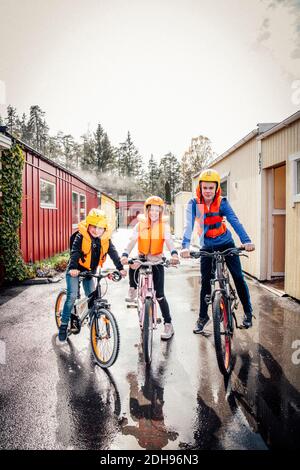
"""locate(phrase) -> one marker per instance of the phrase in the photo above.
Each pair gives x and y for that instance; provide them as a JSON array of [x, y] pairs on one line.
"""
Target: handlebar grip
[[116, 276]]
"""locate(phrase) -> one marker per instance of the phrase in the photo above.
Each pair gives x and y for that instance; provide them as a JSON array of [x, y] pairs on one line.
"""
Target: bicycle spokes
[[102, 339]]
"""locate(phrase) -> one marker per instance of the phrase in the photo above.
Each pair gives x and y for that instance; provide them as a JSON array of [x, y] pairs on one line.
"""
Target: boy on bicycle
[[91, 245], [208, 210], [151, 232]]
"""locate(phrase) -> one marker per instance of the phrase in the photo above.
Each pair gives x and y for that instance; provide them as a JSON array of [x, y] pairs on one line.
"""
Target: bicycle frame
[[146, 290], [95, 297], [222, 277]]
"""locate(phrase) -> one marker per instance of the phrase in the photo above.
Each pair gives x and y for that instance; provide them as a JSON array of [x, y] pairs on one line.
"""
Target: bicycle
[[147, 303], [224, 303], [95, 310]]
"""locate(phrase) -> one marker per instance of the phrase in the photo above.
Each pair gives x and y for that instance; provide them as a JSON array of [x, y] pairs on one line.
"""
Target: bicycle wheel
[[59, 304], [105, 338], [222, 334], [148, 331]]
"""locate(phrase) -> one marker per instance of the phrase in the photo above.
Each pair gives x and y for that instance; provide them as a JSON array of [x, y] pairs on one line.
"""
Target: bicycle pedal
[[132, 306]]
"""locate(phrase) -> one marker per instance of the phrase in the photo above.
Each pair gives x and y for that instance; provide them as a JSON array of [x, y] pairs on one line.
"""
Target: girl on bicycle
[[208, 210], [151, 232], [91, 245]]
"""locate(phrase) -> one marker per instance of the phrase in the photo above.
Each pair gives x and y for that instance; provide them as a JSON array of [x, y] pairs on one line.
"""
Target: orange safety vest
[[86, 247], [151, 237], [209, 221]]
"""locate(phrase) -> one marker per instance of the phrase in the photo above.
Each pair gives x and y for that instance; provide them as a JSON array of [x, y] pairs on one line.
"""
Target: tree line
[[117, 169]]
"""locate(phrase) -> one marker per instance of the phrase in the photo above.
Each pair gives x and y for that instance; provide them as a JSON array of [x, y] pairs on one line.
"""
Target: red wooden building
[[128, 211], [54, 201]]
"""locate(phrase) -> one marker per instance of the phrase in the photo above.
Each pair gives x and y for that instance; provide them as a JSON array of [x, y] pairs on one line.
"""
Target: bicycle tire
[[109, 325], [222, 339], [148, 331], [59, 306]]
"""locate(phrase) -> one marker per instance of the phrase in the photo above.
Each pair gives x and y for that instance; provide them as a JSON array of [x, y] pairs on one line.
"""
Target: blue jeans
[[235, 268], [72, 292]]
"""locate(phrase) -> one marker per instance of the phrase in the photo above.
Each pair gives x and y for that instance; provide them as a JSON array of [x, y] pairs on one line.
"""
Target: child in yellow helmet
[[91, 245], [151, 232]]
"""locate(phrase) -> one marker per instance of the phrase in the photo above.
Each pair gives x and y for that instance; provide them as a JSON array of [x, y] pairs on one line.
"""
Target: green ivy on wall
[[11, 214]]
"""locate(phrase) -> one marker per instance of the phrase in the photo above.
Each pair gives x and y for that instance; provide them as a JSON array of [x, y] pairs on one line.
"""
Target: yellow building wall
[[276, 149], [109, 207]]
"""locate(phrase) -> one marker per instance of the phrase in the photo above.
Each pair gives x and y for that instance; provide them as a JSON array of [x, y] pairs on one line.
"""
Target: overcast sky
[[167, 70]]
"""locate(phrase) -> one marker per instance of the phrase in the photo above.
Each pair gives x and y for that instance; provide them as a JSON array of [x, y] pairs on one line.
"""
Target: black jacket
[[76, 254]]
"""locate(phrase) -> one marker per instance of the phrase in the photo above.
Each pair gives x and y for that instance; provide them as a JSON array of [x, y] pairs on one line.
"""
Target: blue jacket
[[206, 242]]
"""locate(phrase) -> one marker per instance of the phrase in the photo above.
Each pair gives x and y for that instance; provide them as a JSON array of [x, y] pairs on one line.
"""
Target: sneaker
[[247, 322], [132, 295], [168, 331], [201, 325], [63, 332]]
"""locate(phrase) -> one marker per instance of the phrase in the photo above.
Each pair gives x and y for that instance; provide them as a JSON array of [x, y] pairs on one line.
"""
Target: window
[[295, 175], [82, 214], [78, 208], [47, 194], [224, 188], [75, 208]]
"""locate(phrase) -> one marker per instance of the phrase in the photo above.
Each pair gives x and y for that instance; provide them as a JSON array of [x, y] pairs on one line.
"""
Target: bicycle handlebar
[[113, 275], [228, 252], [164, 262]]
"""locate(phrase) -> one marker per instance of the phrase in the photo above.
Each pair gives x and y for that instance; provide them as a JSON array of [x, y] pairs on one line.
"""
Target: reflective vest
[[86, 247], [209, 221], [151, 237]]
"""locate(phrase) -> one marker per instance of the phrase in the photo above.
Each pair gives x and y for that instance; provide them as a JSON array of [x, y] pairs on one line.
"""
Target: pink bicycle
[[146, 303]]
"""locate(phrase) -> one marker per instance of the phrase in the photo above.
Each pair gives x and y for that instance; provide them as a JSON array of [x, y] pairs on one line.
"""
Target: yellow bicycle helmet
[[97, 217], [210, 176]]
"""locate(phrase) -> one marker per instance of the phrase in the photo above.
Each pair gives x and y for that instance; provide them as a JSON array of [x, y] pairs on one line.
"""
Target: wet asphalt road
[[56, 398]]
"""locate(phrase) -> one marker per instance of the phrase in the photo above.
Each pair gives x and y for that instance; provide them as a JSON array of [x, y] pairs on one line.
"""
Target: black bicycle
[[94, 310], [224, 303]]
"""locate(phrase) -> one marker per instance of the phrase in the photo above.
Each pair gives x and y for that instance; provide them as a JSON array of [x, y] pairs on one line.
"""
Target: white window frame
[[79, 195], [226, 177], [78, 214], [82, 195], [294, 159], [44, 205]]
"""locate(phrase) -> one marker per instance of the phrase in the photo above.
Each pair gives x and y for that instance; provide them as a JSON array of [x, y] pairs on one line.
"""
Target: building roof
[[4, 133], [277, 127]]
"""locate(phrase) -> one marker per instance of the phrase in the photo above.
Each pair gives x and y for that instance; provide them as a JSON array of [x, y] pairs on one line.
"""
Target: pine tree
[[12, 120], [103, 150], [37, 128], [151, 178], [68, 145], [24, 128], [129, 160], [88, 154], [169, 177]]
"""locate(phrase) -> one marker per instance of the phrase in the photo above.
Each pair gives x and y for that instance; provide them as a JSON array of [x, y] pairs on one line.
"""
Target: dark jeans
[[235, 268], [158, 281]]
